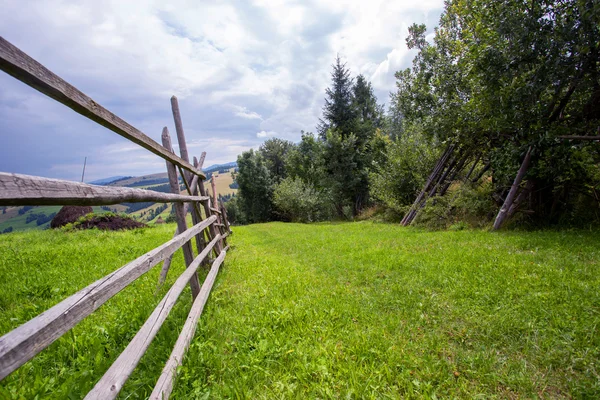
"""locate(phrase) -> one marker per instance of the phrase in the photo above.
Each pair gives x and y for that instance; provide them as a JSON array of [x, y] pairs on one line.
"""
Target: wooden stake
[[410, 215], [188, 255], [187, 178]]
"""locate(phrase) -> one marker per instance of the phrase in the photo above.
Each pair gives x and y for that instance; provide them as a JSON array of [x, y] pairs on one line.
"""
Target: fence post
[[188, 255], [196, 218], [184, 155]]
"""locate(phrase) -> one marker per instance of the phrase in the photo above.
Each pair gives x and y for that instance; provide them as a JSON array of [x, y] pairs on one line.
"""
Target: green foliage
[[369, 115], [274, 152], [40, 268], [502, 77], [171, 218], [235, 213], [337, 162], [400, 174], [256, 187], [300, 202], [306, 161], [466, 205], [346, 175], [338, 112]]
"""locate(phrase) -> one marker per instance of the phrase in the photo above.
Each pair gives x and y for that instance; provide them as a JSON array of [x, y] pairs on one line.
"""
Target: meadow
[[348, 310]]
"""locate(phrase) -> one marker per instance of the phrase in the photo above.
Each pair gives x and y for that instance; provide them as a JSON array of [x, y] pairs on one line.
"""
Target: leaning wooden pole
[[191, 183], [430, 181], [501, 217], [207, 211], [188, 255]]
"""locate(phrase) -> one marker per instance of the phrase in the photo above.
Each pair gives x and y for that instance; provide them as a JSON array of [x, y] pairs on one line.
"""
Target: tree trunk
[[513, 192]]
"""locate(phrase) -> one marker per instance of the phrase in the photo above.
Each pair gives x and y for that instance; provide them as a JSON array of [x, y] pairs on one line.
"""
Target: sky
[[243, 71]]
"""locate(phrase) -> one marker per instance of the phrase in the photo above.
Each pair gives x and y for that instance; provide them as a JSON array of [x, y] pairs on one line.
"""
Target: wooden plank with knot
[[27, 190]]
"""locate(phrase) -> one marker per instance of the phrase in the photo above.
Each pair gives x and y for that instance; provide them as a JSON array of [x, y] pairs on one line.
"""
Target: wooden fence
[[210, 230]]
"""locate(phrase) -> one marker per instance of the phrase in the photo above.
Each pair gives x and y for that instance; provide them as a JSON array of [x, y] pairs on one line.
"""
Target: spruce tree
[[369, 115], [338, 112]]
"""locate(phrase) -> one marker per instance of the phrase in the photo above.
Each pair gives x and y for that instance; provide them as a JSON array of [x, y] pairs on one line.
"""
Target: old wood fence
[[210, 230]]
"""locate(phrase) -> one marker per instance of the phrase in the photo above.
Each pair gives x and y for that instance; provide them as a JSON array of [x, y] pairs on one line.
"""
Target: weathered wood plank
[[24, 68], [21, 344], [410, 215], [190, 183], [109, 386], [179, 129], [216, 210], [164, 386], [201, 162], [26, 190], [212, 230], [225, 218], [188, 254], [166, 265]]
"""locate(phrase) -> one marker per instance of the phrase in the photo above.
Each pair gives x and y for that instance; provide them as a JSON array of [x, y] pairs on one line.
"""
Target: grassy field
[[353, 310]]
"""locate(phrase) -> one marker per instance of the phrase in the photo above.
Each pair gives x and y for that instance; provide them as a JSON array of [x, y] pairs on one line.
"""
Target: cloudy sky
[[244, 71]]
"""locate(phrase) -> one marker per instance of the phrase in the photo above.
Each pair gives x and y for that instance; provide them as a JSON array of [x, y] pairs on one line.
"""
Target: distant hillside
[[140, 181], [106, 181], [216, 167]]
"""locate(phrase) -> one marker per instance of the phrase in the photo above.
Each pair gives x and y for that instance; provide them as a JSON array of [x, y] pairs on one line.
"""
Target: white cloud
[[242, 72], [264, 134], [243, 112]]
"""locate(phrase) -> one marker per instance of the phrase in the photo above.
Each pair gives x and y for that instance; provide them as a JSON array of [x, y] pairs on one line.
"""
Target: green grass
[[354, 310], [368, 310], [40, 268]]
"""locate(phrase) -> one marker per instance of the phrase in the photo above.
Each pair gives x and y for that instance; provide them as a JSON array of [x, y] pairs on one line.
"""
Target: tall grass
[[353, 310], [364, 310]]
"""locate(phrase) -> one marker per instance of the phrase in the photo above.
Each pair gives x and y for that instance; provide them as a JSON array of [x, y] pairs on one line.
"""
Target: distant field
[[19, 222], [222, 182], [350, 310]]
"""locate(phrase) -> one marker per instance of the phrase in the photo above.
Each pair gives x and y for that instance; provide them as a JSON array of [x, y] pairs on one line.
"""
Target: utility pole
[[83, 173]]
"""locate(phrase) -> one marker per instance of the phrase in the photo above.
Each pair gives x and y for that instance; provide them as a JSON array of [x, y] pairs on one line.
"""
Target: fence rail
[[209, 230], [26, 190]]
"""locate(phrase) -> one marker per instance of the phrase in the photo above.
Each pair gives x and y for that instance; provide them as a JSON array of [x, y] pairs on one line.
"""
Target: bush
[[465, 205], [299, 202], [235, 215], [402, 171]]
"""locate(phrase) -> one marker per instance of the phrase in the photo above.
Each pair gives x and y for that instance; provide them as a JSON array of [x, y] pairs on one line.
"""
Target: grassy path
[[376, 311], [355, 310]]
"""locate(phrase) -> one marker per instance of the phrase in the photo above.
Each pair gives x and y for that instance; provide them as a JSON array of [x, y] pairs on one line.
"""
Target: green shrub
[[235, 214], [300, 202], [466, 205], [400, 175]]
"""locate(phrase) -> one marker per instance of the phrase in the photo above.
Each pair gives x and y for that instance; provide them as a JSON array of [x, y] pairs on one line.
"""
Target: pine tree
[[369, 115], [338, 112]]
